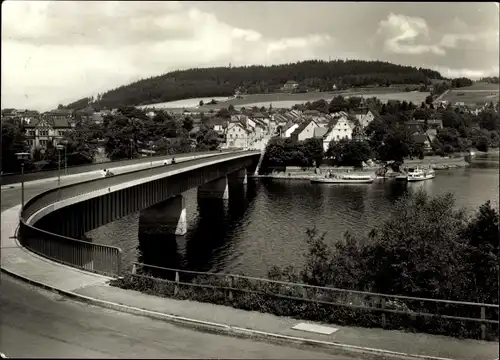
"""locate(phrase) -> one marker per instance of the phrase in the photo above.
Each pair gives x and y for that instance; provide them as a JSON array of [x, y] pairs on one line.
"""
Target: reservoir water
[[264, 223]]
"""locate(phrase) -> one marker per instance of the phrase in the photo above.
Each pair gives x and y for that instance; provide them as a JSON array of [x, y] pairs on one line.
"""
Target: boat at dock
[[344, 179], [418, 174]]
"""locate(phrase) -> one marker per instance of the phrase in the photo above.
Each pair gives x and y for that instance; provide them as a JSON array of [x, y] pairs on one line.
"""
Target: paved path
[[36, 323], [64, 333]]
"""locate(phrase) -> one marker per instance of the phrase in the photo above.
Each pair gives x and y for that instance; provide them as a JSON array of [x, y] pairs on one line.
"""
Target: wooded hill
[[223, 81]]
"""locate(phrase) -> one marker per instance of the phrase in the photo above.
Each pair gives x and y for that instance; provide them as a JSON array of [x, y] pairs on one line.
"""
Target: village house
[[218, 124], [265, 119], [237, 135], [23, 115], [59, 114], [304, 131], [312, 115], [290, 85], [365, 118], [339, 128], [419, 125], [287, 130], [422, 139], [44, 131]]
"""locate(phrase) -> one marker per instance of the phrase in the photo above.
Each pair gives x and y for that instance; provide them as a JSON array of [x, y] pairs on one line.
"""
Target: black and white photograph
[[250, 179]]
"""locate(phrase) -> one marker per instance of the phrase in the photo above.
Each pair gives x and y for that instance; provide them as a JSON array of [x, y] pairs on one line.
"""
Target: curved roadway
[[38, 323]]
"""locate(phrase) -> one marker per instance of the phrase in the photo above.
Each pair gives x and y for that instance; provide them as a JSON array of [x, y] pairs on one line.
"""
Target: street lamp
[[65, 145], [21, 156], [59, 148], [131, 148]]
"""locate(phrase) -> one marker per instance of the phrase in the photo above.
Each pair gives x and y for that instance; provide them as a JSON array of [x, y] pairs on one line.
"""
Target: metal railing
[[98, 258], [374, 309], [82, 254], [11, 178]]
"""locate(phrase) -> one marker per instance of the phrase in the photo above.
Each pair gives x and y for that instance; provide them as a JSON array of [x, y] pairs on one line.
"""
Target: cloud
[[468, 73], [407, 35], [62, 51]]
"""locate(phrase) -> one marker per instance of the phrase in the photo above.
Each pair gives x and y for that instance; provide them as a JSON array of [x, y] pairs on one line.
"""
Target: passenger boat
[[418, 174], [344, 179]]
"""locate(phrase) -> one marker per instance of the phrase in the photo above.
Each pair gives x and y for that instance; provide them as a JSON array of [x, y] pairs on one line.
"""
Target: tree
[[122, 137], [482, 235], [187, 124], [348, 152], [81, 146], [313, 151], [13, 141], [201, 103], [482, 143]]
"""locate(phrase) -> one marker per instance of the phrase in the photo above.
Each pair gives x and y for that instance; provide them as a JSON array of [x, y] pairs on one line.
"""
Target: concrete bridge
[[55, 221]]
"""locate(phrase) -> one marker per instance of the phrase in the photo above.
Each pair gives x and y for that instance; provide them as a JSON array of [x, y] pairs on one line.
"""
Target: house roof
[[218, 121], [59, 112], [289, 126], [312, 112], [419, 138], [320, 132], [258, 115], [291, 82], [54, 123], [302, 126]]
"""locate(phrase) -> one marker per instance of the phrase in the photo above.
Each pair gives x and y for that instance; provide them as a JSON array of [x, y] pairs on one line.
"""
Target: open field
[[415, 97], [476, 94], [480, 86], [286, 100]]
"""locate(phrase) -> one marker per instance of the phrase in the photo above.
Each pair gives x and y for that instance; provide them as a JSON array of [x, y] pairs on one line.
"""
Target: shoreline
[[296, 173]]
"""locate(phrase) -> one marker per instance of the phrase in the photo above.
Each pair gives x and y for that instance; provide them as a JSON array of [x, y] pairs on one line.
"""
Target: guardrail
[[373, 309], [98, 258], [12, 178], [89, 256]]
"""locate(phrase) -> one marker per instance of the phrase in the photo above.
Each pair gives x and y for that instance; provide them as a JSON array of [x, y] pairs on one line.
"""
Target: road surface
[[37, 323]]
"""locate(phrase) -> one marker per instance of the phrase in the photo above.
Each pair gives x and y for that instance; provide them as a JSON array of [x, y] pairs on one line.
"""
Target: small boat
[[344, 179], [418, 174]]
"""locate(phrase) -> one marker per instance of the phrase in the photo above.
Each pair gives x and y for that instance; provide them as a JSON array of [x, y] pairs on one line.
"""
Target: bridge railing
[[339, 305], [98, 258], [12, 178], [82, 254]]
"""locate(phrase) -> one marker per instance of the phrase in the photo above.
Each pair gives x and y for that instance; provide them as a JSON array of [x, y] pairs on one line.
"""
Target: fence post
[[134, 269], [382, 306], [176, 286], [483, 325], [304, 292], [119, 260], [231, 285]]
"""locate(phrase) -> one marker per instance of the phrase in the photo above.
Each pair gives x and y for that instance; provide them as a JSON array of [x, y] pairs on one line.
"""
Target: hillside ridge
[[224, 81]]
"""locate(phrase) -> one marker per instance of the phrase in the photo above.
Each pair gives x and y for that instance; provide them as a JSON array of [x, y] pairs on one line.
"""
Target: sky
[[55, 52]]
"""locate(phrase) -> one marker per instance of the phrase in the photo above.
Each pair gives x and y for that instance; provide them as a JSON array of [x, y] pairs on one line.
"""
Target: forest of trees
[[222, 81]]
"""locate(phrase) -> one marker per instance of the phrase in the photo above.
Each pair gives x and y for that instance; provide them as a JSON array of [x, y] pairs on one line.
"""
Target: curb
[[222, 328]]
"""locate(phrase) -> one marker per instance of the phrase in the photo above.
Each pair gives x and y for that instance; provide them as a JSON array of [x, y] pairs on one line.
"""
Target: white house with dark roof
[[339, 128], [237, 135], [304, 131], [365, 118]]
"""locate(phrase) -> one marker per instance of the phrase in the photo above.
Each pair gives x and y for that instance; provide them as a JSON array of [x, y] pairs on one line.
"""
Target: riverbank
[[297, 173]]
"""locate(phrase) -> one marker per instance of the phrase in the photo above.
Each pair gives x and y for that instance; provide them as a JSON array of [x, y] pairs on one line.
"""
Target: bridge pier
[[166, 217], [216, 189], [238, 177]]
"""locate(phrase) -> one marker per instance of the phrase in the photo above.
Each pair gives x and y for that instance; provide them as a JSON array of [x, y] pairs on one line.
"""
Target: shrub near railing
[[327, 305]]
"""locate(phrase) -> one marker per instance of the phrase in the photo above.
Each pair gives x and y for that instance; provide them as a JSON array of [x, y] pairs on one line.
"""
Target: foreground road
[[38, 323]]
